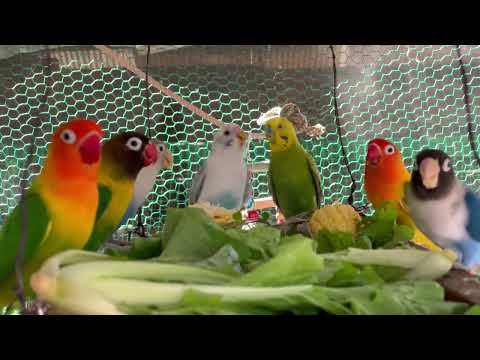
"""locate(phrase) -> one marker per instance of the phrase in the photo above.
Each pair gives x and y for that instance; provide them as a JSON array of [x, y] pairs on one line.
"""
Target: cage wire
[[140, 229], [415, 96]]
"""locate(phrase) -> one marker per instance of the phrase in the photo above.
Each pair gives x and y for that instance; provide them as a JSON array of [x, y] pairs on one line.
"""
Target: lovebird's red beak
[[89, 148], [373, 154], [149, 154]]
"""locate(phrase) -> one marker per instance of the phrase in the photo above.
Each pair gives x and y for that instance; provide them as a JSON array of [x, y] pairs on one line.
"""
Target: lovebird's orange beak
[[168, 160], [242, 137]]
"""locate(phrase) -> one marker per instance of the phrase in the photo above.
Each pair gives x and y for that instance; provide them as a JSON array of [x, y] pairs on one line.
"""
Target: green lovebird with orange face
[[60, 205], [123, 156]]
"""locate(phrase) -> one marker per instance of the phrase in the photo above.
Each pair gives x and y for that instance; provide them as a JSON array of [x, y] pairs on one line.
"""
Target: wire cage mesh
[[412, 95]]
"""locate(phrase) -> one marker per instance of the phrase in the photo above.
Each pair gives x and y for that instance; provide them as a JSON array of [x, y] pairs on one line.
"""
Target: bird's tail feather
[[130, 212]]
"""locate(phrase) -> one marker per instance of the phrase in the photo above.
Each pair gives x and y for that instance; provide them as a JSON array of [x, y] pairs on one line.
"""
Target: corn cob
[[336, 217]]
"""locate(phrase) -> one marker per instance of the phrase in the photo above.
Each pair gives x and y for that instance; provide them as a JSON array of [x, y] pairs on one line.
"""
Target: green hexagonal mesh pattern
[[411, 95]]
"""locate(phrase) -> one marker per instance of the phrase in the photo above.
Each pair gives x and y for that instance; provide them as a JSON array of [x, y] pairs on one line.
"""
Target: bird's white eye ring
[[134, 143], [446, 165], [389, 150], [68, 136]]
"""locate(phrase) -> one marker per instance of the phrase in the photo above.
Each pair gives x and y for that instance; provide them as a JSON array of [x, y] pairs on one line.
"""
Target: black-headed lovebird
[[123, 156], [146, 179], [443, 208]]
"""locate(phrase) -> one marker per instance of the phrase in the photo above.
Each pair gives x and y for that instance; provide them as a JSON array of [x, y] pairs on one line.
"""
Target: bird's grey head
[[433, 176], [230, 136]]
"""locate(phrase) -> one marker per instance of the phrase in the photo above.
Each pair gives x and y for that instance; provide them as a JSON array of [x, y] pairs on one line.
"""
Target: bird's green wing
[[403, 201], [98, 233], [272, 187], [104, 198], [312, 166], [38, 227]]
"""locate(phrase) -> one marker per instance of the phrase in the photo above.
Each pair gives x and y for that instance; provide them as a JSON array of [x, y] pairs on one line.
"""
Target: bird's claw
[[140, 231], [36, 308], [361, 209]]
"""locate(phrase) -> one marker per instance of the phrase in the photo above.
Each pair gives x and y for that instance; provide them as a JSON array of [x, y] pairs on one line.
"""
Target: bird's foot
[[140, 231], [361, 209], [36, 307]]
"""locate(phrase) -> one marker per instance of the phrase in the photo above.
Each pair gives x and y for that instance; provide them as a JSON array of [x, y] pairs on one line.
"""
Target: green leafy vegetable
[[331, 241], [100, 286], [225, 260], [377, 231], [197, 267], [146, 248], [474, 310], [382, 229], [295, 263], [237, 217], [351, 275], [421, 264], [265, 216], [191, 235]]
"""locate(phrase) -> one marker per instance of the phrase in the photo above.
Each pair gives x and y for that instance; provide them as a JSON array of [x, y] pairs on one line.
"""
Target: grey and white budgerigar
[[146, 179], [443, 208], [224, 178]]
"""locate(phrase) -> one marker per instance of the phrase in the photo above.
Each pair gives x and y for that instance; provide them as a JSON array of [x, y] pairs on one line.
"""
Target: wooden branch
[[122, 61]]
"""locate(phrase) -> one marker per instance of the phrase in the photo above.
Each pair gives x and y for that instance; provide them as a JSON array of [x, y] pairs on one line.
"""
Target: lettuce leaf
[[382, 228], [191, 235], [402, 298]]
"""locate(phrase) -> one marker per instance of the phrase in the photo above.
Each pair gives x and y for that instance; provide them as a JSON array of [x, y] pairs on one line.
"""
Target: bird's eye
[[68, 136], [134, 144], [280, 126], [160, 148], [446, 165], [389, 149], [227, 132]]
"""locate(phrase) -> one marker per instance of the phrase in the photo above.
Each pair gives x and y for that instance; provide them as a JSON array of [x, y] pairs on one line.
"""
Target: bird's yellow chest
[[72, 214], [121, 194]]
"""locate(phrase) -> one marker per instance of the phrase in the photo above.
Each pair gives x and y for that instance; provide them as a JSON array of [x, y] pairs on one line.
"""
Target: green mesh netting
[[411, 95]]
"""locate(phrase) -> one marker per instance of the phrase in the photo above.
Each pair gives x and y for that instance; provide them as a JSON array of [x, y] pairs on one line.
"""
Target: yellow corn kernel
[[336, 217], [220, 215]]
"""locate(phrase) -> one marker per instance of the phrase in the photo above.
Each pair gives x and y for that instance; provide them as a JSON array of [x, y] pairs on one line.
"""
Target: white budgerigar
[[224, 179], [146, 179]]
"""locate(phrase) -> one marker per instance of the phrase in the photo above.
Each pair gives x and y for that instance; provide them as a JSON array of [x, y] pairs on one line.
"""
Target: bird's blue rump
[[473, 205]]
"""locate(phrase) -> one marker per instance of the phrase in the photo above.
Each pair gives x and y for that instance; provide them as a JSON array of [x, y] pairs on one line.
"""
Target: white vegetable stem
[[85, 283], [423, 264], [97, 287]]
